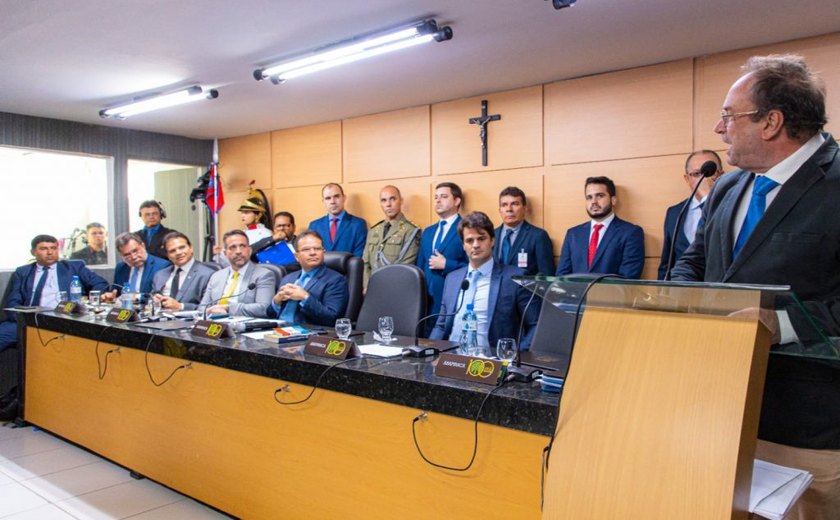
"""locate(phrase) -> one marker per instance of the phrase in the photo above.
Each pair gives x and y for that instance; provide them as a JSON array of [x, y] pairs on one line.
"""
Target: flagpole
[[216, 190]]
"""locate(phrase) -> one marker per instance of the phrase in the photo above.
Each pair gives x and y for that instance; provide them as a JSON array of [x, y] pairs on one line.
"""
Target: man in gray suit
[[180, 286], [230, 291]]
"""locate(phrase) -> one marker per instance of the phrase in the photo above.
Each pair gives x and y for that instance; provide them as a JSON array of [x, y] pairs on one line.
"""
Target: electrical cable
[[149, 370], [38, 331], [99, 370]]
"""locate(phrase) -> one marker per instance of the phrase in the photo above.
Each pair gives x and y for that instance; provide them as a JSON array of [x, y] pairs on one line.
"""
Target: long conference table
[[216, 432]]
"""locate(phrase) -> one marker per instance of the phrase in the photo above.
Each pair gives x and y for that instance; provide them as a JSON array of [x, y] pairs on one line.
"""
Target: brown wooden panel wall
[[390, 145], [632, 113], [635, 126], [514, 141], [306, 156]]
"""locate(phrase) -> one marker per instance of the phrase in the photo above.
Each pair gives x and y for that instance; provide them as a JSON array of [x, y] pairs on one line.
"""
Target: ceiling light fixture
[[156, 101], [355, 49]]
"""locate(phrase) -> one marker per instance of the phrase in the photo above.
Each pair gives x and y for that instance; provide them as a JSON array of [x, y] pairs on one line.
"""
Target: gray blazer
[[251, 302], [191, 288]]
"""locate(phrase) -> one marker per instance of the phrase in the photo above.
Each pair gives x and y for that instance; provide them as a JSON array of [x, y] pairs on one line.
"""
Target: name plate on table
[[117, 315], [335, 348], [211, 329], [469, 368], [67, 307]]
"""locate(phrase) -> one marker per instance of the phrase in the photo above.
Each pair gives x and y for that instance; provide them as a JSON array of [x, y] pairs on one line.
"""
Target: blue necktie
[[758, 202], [132, 283], [506, 246], [290, 308], [36, 294], [441, 234]]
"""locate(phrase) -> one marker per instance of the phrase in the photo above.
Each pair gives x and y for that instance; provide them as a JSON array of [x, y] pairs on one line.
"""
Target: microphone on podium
[[416, 350], [708, 169]]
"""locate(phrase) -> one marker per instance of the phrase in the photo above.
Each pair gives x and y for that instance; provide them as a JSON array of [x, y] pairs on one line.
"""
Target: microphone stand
[[708, 169], [416, 350]]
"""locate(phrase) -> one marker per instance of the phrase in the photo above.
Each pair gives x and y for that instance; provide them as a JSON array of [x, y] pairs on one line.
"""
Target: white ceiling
[[67, 60]]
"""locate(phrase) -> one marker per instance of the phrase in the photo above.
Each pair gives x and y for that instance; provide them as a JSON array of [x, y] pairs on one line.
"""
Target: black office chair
[[552, 341], [212, 265], [398, 291], [278, 272], [352, 267]]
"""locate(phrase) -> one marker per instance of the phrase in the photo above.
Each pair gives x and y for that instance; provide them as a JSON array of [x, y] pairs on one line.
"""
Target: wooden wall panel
[[243, 159], [645, 189], [416, 199], [306, 156], [515, 141], [229, 217], [631, 113], [716, 73], [390, 145], [304, 203]]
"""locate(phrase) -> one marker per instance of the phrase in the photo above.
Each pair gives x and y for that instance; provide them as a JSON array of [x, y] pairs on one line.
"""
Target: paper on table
[[374, 349], [259, 334], [775, 489]]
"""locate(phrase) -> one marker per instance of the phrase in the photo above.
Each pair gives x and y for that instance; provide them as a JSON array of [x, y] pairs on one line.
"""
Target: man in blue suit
[[39, 284], [316, 294], [138, 267], [606, 244], [340, 230], [692, 215], [498, 302], [518, 243], [441, 251]]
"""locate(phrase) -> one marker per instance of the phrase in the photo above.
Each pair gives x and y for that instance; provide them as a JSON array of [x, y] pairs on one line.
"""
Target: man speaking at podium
[[775, 221]]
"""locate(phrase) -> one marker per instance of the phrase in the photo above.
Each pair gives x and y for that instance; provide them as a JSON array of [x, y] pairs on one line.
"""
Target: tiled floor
[[44, 478]]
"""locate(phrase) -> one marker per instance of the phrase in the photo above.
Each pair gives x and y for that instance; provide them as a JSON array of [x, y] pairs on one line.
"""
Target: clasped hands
[[290, 291]]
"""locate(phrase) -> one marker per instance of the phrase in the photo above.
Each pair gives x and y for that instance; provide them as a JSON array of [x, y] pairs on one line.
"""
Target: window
[[51, 193]]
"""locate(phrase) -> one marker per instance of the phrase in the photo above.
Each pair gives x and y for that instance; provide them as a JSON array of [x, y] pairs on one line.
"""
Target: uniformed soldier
[[395, 240]]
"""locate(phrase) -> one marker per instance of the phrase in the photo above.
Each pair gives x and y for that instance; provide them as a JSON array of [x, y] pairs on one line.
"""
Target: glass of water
[[343, 327], [386, 328], [506, 349], [62, 296], [95, 299]]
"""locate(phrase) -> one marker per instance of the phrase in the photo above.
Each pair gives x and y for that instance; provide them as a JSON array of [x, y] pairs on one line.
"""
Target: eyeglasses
[[726, 118], [311, 249], [695, 174]]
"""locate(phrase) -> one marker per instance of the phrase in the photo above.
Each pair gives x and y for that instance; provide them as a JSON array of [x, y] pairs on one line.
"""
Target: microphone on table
[[416, 350], [708, 169], [251, 287]]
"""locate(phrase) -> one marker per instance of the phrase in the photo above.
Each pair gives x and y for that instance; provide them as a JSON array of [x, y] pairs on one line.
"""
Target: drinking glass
[[95, 298], [506, 349], [62, 296], [343, 327], [386, 328]]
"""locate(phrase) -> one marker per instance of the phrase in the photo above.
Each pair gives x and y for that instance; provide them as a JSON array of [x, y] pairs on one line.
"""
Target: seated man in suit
[[39, 284], [138, 268], [523, 245], [279, 248], [606, 244], [441, 251], [688, 228], [95, 252], [498, 302], [153, 231], [340, 230], [180, 286], [241, 289], [316, 294]]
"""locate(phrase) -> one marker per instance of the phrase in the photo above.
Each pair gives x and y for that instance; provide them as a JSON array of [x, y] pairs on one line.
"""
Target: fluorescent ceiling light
[[156, 101], [354, 50]]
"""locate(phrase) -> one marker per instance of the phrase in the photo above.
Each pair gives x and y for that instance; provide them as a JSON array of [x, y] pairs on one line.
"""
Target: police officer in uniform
[[395, 240]]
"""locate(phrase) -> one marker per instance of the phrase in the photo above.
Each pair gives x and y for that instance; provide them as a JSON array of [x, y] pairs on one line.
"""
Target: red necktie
[[333, 229], [593, 242]]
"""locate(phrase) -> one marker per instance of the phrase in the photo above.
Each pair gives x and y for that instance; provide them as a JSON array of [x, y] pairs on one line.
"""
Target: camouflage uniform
[[400, 246]]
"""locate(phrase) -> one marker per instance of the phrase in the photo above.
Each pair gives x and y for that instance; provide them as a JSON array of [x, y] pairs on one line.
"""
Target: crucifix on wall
[[482, 121]]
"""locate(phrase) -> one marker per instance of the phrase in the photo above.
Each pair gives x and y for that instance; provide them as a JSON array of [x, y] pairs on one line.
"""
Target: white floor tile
[[15, 498], [8, 430], [120, 501], [29, 443], [69, 483], [46, 512], [30, 466], [181, 510]]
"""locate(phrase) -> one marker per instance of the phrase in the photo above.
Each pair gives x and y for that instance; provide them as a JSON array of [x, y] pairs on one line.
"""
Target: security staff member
[[394, 240]]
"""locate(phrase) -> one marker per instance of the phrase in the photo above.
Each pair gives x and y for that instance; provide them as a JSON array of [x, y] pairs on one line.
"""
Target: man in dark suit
[[95, 252], [138, 268], [39, 284], [316, 294], [606, 244], [519, 243], [153, 231], [279, 248], [340, 230], [688, 227], [180, 286], [498, 302], [441, 251], [774, 221]]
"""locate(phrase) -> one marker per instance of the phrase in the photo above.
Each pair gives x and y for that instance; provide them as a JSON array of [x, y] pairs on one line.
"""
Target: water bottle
[[469, 334], [127, 298], [75, 290]]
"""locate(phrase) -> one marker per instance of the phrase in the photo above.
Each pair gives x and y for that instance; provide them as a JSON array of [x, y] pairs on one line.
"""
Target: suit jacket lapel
[[450, 233], [517, 244], [726, 213], [185, 284], [343, 224], [62, 275], [612, 231]]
